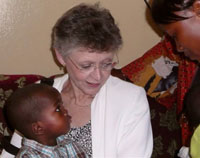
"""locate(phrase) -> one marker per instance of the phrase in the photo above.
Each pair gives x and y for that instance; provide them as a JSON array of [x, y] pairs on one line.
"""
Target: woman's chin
[[91, 92]]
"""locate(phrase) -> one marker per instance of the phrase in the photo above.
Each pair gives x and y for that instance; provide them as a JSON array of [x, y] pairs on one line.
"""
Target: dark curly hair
[[86, 26], [163, 11]]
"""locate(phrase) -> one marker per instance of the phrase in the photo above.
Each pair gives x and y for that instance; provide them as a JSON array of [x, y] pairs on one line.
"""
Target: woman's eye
[[86, 66], [105, 65]]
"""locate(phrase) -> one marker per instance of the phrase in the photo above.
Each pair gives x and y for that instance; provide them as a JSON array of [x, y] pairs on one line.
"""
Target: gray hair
[[86, 26]]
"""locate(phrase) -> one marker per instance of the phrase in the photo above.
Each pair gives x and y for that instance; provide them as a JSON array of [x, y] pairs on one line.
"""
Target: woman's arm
[[136, 137]]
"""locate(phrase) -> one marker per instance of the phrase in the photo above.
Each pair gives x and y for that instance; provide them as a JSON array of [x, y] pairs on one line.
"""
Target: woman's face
[[186, 34], [88, 70]]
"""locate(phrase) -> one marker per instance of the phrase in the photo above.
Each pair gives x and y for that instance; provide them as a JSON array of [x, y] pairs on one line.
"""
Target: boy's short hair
[[192, 105], [24, 106]]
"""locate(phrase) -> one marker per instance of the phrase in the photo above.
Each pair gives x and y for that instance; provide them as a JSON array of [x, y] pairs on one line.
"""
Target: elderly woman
[[110, 117]]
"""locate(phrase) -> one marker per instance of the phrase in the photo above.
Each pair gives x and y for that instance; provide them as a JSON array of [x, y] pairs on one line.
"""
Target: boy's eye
[[58, 109]]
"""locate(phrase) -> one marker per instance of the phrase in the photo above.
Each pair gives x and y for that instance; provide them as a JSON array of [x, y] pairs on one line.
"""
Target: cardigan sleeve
[[136, 138]]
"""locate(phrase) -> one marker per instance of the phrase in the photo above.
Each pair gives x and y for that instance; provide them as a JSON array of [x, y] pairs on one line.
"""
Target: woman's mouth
[[94, 85]]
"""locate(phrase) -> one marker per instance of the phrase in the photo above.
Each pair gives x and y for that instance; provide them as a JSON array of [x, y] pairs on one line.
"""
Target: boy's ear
[[37, 128], [60, 58], [196, 7]]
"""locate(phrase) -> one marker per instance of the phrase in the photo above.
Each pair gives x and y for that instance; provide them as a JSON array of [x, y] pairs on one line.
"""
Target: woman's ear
[[196, 7], [60, 58], [37, 128]]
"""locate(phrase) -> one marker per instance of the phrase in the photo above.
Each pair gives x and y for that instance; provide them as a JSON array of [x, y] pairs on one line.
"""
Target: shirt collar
[[44, 149]]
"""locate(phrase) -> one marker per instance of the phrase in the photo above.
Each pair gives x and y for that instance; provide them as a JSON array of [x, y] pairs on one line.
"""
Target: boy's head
[[192, 105], [37, 112]]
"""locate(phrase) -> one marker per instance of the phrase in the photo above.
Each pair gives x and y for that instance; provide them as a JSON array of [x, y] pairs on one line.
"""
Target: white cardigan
[[120, 118]]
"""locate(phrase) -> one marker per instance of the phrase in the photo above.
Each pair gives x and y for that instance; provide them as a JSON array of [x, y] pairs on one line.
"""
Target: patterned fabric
[[156, 71], [83, 137], [65, 148], [166, 130], [9, 83]]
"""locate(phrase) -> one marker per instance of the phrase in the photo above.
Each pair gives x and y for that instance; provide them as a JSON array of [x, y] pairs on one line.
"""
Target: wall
[[25, 29]]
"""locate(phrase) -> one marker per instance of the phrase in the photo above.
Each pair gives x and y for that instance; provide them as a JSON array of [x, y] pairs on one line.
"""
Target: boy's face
[[54, 117]]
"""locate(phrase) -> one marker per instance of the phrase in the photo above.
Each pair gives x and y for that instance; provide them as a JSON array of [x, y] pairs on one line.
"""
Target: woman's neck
[[78, 96]]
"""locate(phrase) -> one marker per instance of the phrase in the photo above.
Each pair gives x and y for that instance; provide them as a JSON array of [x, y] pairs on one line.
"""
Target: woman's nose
[[96, 74]]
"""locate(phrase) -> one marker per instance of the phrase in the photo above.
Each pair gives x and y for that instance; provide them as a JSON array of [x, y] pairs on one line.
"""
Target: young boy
[[37, 112], [192, 104]]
